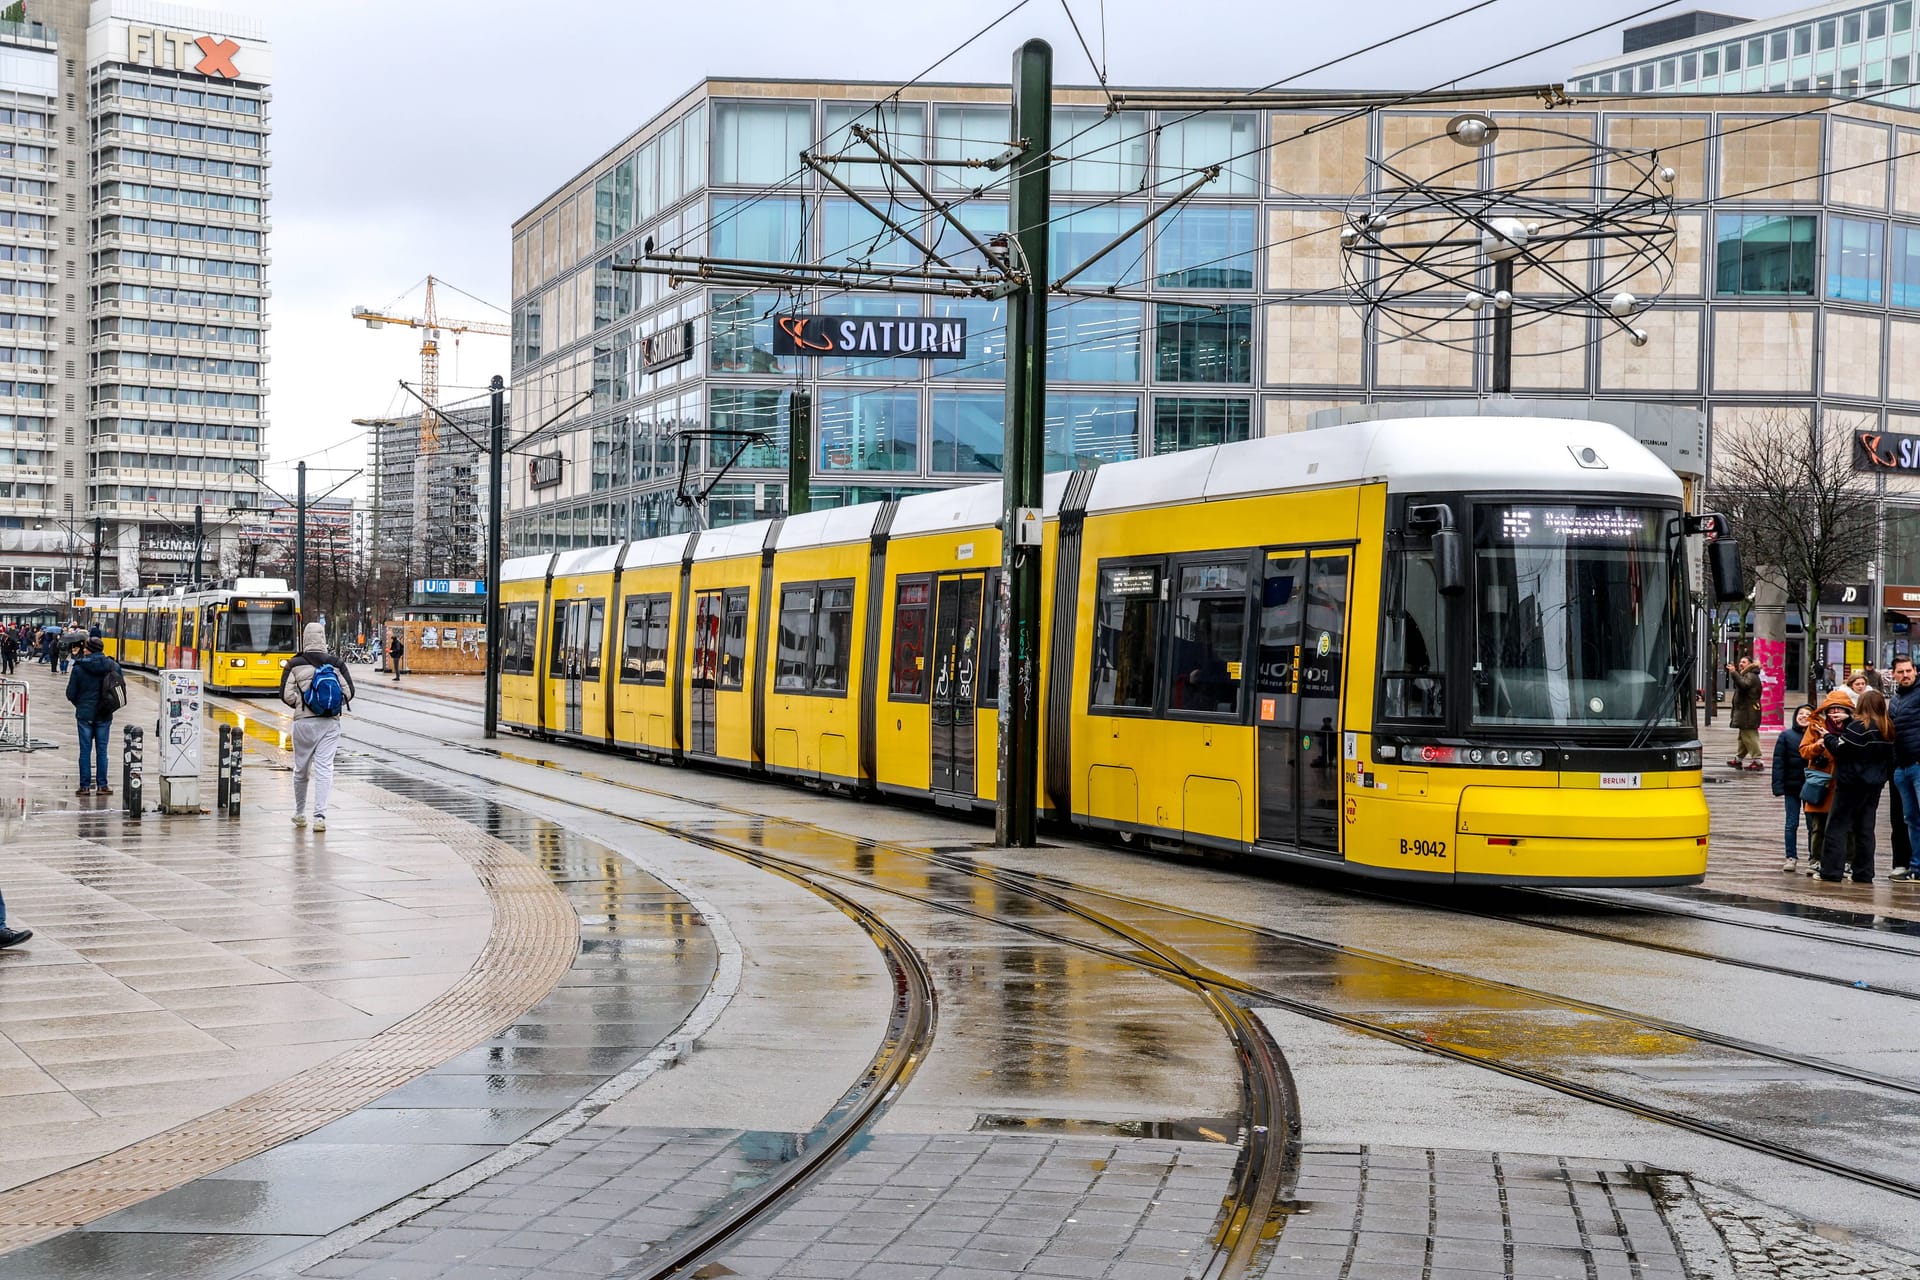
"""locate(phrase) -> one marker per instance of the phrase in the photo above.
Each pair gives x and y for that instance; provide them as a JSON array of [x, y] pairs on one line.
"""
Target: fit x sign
[[178, 51]]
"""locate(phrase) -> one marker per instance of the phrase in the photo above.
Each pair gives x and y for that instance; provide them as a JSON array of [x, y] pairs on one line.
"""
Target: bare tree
[[1787, 484]]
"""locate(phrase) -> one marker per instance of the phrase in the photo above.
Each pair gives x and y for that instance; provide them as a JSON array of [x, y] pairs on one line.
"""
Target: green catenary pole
[[1016, 812], [800, 453]]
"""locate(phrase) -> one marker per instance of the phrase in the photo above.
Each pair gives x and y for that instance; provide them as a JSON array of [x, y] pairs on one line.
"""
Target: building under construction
[[429, 508]]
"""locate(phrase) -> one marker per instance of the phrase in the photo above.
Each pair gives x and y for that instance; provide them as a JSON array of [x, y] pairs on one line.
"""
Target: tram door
[[1302, 646], [957, 652], [570, 660], [705, 670]]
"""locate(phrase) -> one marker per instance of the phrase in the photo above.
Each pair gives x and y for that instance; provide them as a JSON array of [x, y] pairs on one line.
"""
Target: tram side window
[[644, 656], [1126, 636], [508, 645], [733, 642], [796, 639], [596, 637], [990, 646], [523, 639], [1413, 649], [566, 622], [911, 601], [1207, 650], [833, 640]]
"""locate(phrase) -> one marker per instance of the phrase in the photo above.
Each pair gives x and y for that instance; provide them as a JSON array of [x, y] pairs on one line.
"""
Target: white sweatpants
[[314, 741]]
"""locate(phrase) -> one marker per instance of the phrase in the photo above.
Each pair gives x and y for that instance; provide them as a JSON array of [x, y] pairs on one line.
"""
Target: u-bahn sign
[[941, 339], [1885, 451]]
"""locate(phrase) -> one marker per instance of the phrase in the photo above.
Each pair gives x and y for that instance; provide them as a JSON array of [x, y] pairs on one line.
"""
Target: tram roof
[[1415, 454]]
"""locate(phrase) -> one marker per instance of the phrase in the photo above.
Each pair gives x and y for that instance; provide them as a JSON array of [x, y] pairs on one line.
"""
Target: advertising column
[[1770, 647]]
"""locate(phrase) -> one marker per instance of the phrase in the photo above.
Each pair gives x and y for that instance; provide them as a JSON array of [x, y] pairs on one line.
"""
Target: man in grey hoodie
[[318, 688]]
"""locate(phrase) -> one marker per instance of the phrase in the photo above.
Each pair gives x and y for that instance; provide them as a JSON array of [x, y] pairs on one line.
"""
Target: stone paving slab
[[952, 1206]]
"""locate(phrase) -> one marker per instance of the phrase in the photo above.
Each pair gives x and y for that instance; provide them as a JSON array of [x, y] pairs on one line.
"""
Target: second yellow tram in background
[[239, 636], [1422, 649]]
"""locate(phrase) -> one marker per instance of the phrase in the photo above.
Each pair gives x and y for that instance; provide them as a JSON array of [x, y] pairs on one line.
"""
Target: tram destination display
[[1572, 526], [936, 339]]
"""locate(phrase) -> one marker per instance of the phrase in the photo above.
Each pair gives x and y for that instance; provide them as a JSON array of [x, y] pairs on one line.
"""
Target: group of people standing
[[55, 647], [1833, 762]]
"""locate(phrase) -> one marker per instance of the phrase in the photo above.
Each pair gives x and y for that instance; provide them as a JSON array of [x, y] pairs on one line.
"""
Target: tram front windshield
[[263, 626], [1574, 616]]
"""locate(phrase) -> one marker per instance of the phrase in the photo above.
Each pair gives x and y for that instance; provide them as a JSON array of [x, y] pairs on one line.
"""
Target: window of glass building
[[1189, 144], [1710, 62], [740, 335], [1206, 247], [1083, 430], [1203, 344], [1689, 67], [868, 431], [1093, 341], [1777, 47], [986, 359], [746, 412], [1829, 32], [1194, 422], [759, 142], [1647, 74], [969, 432], [1876, 23], [985, 218], [880, 307], [770, 230], [1850, 29], [1666, 74], [850, 233], [1906, 268], [1802, 40], [1903, 16], [1765, 254], [900, 127], [1080, 231], [1100, 152], [625, 175], [968, 133], [1902, 69], [1849, 81], [1606, 83], [1731, 57]]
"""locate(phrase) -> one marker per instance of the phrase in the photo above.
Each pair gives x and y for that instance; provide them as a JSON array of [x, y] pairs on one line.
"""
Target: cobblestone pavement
[[1764, 1242], [903, 1207], [1402, 1213]]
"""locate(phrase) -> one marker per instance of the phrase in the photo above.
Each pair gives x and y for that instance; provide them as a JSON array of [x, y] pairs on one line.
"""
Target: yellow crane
[[433, 324]]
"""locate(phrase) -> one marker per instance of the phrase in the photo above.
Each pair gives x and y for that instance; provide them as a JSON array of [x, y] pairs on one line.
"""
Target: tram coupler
[[223, 778], [133, 747], [232, 777]]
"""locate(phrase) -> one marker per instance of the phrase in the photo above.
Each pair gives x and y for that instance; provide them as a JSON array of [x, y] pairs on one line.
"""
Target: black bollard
[[130, 770], [223, 784], [239, 741]]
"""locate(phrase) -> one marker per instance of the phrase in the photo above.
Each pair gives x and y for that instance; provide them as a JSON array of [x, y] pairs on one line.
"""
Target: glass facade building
[[1228, 318], [1847, 50], [133, 284]]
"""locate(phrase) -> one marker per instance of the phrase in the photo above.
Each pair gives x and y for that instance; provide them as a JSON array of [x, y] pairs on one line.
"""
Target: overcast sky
[[408, 137]]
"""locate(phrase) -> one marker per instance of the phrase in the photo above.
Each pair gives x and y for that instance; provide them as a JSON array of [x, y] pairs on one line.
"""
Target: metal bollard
[[131, 752], [239, 741], [223, 784]]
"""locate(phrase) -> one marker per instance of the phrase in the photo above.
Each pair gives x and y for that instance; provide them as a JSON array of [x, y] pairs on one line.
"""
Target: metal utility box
[[176, 736]]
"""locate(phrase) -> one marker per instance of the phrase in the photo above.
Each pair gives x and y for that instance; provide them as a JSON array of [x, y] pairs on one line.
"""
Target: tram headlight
[[1687, 758], [283, 664], [1529, 759]]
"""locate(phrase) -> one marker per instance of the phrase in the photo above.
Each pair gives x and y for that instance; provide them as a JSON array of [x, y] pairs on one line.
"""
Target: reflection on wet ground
[[645, 960]]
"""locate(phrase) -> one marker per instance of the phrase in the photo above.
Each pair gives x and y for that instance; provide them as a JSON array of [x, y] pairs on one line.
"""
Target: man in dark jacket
[[1744, 713], [9, 651], [88, 680], [1905, 709]]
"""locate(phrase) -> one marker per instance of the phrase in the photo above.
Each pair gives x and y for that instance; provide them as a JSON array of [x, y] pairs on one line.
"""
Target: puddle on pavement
[[1224, 1129]]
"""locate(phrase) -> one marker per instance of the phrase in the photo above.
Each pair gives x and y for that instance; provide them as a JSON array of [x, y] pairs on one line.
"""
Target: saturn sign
[[943, 339]]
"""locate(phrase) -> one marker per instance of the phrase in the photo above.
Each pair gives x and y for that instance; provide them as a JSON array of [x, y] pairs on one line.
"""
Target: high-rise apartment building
[[133, 167]]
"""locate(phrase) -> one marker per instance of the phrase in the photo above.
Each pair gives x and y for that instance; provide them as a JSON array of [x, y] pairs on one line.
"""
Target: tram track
[[1270, 1135], [1409, 1035]]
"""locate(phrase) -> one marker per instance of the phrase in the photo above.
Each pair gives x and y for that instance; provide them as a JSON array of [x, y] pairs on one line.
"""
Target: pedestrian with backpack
[[316, 685], [97, 688]]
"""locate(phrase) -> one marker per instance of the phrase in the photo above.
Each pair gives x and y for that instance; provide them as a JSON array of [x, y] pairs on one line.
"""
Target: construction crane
[[432, 323]]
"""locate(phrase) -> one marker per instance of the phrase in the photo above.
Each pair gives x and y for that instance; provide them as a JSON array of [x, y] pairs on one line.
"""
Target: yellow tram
[[240, 636], [1441, 650]]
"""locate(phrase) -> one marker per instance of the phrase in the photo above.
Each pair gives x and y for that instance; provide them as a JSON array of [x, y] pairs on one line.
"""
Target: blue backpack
[[325, 695]]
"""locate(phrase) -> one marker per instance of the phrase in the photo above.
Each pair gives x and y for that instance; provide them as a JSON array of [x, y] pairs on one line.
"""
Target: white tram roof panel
[[652, 553], [732, 540], [583, 560], [525, 568], [1447, 454], [833, 527]]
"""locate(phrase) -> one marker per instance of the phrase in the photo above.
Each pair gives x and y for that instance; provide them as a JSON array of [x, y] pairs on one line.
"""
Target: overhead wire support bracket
[[1153, 215], [926, 251], [943, 207], [951, 274]]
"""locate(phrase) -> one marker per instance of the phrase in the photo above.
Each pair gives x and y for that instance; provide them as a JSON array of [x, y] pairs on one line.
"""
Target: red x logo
[[219, 59]]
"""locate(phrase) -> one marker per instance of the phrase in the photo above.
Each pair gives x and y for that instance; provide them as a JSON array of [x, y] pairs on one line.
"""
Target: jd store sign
[[1847, 595]]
